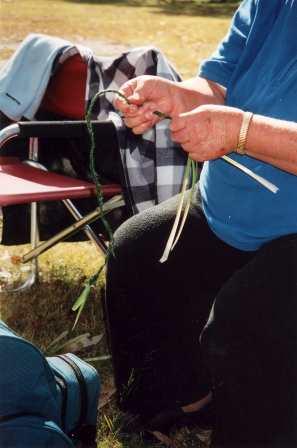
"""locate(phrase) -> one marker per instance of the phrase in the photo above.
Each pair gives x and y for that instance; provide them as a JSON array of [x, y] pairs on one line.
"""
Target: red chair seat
[[21, 183]]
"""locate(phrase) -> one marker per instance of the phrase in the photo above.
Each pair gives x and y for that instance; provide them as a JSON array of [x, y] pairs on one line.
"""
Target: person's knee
[[222, 346], [213, 349], [144, 235], [130, 238]]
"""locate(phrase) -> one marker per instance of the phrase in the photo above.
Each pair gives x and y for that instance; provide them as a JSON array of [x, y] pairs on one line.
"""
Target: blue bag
[[27, 431], [50, 397]]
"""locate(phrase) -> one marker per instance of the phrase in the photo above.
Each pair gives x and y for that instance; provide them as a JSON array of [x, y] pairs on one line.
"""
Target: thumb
[[136, 97], [178, 122]]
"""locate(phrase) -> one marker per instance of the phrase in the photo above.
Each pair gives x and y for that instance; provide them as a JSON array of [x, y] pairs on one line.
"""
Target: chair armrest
[[63, 129]]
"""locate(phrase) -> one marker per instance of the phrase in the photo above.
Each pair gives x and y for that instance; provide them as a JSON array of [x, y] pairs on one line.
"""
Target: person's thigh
[[199, 257], [251, 343], [160, 308]]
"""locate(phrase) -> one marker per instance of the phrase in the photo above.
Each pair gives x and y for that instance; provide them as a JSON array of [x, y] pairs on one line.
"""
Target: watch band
[[242, 139]]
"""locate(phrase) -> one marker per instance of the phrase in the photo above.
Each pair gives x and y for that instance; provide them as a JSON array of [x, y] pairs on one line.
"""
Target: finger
[[121, 104], [135, 121], [188, 147], [126, 90], [141, 129], [177, 124], [136, 98], [128, 87], [131, 111], [125, 108], [146, 111], [181, 136], [138, 95], [139, 114]]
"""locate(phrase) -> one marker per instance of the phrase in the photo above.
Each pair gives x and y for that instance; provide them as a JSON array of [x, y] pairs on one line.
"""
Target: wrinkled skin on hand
[[147, 94], [207, 132]]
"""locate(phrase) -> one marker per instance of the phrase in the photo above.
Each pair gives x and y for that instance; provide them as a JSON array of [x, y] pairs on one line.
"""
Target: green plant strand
[[94, 174], [84, 295], [91, 282]]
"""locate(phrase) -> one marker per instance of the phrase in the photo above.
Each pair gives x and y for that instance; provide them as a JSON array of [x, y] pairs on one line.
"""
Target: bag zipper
[[83, 389]]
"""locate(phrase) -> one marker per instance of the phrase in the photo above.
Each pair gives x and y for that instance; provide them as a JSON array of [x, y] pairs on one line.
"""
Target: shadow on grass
[[175, 7], [43, 312], [110, 434]]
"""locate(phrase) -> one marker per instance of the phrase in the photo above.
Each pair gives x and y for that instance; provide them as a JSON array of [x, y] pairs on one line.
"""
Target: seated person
[[234, 258]]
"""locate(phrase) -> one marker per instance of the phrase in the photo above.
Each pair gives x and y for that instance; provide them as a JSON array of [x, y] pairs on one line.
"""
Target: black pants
[[157, 313]]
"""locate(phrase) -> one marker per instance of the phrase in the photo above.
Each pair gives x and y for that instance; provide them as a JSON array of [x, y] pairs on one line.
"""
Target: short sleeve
[[220, 66]]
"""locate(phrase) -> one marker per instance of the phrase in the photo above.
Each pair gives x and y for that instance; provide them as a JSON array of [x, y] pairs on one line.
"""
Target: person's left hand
[[207, 132]]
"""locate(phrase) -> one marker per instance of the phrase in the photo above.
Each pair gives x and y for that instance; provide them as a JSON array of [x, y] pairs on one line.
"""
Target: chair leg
[[115, 202], [99, 243], [80, 224], [34, 231], [34, 235], [33, 274]]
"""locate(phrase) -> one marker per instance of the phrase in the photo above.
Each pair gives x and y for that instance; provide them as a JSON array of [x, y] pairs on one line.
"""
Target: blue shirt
[[257, 63]]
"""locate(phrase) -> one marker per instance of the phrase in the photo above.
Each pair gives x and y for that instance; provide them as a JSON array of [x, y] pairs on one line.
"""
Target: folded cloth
[[24, 79]]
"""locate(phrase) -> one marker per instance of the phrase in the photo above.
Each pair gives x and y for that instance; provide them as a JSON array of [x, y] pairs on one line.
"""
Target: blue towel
[[24, 79]]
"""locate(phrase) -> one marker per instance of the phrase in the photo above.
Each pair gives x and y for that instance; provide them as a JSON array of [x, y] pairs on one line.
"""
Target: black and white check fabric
[[153, 165]]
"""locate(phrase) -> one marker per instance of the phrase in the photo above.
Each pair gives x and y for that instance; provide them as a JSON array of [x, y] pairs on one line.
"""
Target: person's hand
[[147, 94], [207, 132]]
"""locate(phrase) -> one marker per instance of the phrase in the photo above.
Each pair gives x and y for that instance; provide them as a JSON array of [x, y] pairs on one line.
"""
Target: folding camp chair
[[28, 182]]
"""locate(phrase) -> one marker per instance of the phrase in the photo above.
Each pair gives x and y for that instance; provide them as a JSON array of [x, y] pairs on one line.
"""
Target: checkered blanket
[[153, 165]]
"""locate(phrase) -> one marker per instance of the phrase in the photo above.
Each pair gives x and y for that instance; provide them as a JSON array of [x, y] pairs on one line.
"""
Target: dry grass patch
[[44, 311]]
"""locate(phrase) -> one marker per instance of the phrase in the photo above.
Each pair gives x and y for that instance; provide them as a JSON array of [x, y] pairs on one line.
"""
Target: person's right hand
[[147, 94]]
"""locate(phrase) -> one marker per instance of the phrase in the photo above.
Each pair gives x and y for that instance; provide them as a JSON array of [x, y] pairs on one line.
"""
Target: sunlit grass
[[44, 311], [185, 39]]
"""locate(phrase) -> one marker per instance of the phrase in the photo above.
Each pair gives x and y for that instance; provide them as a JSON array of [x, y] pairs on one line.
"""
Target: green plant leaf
[[81, 300]]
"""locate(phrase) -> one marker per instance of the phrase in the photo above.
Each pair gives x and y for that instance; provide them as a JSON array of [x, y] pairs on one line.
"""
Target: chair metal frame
[[34, 130]]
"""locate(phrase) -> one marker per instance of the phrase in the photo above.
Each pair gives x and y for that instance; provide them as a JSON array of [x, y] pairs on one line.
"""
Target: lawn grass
[[186, 31]]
